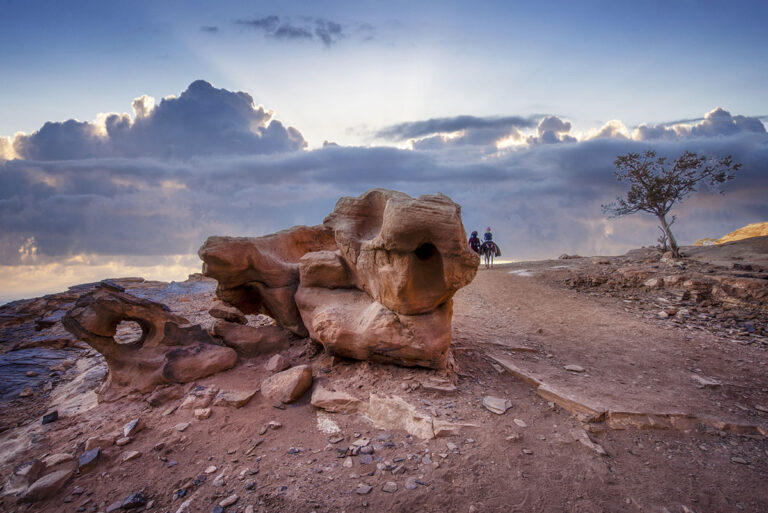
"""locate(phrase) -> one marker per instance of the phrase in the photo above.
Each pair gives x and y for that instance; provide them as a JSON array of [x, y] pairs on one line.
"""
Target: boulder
[[170, 350], [248, 341], [289, 385], [261, 274], [333, 401], [347, 322], [411, 255], [46, 486]]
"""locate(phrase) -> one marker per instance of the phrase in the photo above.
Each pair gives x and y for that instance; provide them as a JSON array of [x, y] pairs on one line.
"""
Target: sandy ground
[[671, 444]]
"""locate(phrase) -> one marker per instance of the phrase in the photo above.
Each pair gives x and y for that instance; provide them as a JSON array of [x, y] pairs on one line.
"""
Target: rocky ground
[[631, 383]]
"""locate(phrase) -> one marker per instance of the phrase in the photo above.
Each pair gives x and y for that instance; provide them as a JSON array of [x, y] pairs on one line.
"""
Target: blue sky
[[515, 109]]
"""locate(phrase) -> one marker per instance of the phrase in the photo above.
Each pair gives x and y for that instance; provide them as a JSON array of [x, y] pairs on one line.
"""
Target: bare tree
[[656, 184]]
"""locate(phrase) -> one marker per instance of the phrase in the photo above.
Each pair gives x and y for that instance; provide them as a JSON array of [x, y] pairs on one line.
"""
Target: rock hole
[[128, 332], [425, 251]]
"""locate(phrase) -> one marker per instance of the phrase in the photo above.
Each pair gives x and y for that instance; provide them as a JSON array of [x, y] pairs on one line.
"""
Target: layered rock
[[170, 350], [374, 282], [261, 274]]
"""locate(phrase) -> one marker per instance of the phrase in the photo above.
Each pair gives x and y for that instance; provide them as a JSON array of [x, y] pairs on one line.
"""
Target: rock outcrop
[[375, 281], [170, 350]]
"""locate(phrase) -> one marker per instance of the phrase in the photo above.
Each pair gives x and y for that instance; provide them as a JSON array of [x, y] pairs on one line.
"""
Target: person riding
[[474, 242], [488, 235]]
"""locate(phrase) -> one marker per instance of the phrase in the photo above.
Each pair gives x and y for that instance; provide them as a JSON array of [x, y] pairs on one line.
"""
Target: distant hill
[[751, 230]]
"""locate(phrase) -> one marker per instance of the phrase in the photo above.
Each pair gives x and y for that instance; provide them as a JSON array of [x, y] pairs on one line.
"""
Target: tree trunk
[[672, 241]]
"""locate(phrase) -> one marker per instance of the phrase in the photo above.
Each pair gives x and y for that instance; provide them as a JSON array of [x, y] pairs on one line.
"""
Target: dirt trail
[[536, 457]]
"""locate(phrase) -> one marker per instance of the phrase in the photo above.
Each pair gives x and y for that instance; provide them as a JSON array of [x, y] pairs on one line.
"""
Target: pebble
[[131, 455], [229, 501], [51, 417], [389, 487], [182, 426], [133, 427], [364, 489], [202, 413]]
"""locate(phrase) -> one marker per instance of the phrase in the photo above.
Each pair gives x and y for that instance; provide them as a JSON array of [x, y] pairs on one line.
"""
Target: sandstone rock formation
[[170, 350], [373, 282]]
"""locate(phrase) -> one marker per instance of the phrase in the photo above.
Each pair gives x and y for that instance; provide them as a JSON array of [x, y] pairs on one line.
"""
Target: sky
[[131, 131]]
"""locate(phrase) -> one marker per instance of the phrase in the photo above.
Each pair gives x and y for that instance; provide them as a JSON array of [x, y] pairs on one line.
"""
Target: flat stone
[[333, 401], [202, 413], [363, 489], [88, 459], [46, 486], [131, 455], [234, 398], [496, 405], [574, 368], [389, 487], [57, 459], [133, 427], [229, 501], [50, 417]]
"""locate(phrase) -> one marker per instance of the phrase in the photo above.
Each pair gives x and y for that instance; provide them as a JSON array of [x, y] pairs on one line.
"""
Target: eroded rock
[[170, 350], [289, 385]]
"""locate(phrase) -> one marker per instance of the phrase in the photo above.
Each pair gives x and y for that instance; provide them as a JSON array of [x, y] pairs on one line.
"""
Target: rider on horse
[[474, 242]]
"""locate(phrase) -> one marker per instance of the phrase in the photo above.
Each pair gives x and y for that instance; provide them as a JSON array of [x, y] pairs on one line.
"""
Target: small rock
[[363, 489], [496, 405], [57, 459], [389, 487], [135, 500], [131, 455], [125, 440], [88, 459], [133, 427], [46, 486], [229, 501], [574, 368], [181, 427], [51, 417], [520, 423], [202, 413], [277, 363]]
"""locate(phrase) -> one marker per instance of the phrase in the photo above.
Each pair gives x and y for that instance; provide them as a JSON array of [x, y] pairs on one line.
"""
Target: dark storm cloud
[[324, 31], [80, 191], [203, 120], [435, 126]]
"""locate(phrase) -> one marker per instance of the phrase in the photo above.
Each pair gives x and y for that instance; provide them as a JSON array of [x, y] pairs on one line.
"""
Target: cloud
[[136, 201], [202, 120], [434, 126], [322, 30]]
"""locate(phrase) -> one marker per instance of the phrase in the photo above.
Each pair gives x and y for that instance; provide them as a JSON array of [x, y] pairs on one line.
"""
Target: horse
[[489, 249]]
